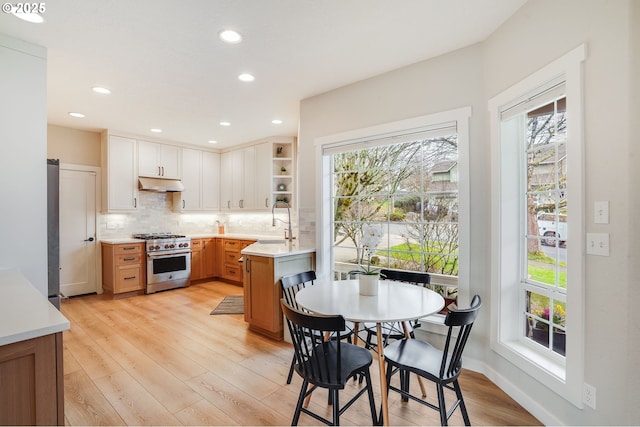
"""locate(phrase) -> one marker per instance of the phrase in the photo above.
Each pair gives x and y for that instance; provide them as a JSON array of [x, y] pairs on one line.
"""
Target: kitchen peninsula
[[30, 355], [265, 262]]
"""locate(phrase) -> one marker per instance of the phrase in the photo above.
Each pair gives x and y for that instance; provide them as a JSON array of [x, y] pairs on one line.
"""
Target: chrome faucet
[[282, 204]]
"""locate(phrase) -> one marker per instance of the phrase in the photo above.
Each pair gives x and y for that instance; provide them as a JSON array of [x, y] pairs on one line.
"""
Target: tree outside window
[[411, 190]]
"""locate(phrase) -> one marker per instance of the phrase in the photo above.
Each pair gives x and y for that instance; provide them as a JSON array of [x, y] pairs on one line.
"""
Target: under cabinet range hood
[[159, 184]]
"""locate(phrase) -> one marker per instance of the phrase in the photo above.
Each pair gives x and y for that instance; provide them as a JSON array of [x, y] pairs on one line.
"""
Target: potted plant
[[538, 330], [279, 151], [369, 276], [283, 170]]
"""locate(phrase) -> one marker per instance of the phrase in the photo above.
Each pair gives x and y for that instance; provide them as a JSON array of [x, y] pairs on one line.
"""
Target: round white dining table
[[395, 302]]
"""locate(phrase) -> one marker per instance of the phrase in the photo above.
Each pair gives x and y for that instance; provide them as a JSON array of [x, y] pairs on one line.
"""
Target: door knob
[[90, 239]]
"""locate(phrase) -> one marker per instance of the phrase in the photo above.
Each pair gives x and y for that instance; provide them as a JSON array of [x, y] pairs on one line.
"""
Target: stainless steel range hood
[[159, 184]]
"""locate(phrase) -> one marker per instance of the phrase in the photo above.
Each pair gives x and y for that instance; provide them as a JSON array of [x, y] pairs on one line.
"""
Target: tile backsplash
[[155, 214]]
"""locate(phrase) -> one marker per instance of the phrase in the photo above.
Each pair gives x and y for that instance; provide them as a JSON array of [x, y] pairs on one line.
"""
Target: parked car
[[552, 230]]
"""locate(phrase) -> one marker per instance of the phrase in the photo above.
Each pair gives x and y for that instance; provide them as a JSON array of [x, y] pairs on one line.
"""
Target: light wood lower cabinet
[[31, 373], [204, 264], [262, 291], [124, 268]]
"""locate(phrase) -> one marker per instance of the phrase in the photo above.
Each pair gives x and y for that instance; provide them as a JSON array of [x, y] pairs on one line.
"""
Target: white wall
[[23, 155], [541, 31], [511, 54]]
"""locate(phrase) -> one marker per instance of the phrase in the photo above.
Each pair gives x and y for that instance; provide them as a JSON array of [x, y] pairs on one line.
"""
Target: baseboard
[[512, 390]]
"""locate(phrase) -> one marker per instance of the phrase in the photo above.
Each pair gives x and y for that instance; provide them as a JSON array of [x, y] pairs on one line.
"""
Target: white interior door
[[77, 232]]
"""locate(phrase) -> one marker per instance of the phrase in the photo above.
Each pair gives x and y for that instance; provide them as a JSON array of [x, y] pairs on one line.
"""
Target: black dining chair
[[290, 285], [326, 363], [439, 366], [394, 330]]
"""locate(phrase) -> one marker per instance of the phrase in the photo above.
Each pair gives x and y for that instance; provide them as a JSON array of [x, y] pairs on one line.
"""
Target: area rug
[[232, 304]]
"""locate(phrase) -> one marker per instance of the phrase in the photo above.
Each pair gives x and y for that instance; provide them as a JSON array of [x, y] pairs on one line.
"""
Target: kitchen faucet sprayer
[[282, 204]]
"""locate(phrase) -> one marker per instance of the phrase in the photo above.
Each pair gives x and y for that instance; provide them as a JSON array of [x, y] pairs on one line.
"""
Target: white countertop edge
[[275, 250], [24, 312], [121, 241]]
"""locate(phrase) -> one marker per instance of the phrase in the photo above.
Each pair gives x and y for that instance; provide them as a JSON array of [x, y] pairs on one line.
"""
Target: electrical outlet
[[589, 395]]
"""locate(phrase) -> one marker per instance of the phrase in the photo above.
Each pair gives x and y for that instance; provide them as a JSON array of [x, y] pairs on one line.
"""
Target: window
[[544, 284], [412, 183], [537, 216]]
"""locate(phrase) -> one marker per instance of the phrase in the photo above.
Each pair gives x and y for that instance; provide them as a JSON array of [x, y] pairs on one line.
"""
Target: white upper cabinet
[[201, 180], [253, 178], [263, 196], [120, 182], [210, 181], [231, 179], [158, 160]]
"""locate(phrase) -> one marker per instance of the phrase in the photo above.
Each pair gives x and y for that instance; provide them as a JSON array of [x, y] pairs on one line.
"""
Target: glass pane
[[541, 168], [540, 267], [537, 320], [559, 341]]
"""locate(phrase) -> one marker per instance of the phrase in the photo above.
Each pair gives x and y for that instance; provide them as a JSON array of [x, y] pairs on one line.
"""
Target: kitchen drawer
[[196, 244], [232, 273], [134, 248], [129, 279], [232, 245], [231, 257], [128, 259]]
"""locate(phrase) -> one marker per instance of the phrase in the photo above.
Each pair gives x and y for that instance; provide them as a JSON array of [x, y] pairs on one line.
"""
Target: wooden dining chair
[[290, 285], [442, 367], [325, 363], [395, 330]]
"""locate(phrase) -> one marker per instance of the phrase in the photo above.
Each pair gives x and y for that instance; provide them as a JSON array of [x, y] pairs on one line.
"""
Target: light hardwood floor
[[162, 359]]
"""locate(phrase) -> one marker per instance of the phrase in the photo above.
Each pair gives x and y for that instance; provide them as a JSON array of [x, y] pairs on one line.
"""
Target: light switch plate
[[598, 244], [601, 212]]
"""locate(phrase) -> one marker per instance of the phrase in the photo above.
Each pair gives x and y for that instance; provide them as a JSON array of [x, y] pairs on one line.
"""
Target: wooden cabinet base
[[262, 291], [274, 335], [32, 391]]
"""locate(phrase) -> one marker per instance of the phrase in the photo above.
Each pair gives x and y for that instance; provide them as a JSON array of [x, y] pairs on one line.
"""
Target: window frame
[[563, 375], [355, 138]]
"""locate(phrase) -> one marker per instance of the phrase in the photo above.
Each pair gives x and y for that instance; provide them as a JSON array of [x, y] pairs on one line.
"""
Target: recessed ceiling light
[[276, 122], [78, 115], [225, 124], [33, 17], [101, 90], [230, 36], [212, 142], [246, 77], [156, 130]]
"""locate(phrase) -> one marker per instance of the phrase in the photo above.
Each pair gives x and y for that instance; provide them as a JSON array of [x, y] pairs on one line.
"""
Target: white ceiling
[[167, 68]]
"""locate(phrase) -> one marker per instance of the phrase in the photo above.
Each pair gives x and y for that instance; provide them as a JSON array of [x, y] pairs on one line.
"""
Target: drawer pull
[[129, 259], [129, 248], [130, 278]]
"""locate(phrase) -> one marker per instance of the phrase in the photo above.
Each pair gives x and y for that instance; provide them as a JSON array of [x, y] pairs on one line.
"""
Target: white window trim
[[566, 380], [323, 222]]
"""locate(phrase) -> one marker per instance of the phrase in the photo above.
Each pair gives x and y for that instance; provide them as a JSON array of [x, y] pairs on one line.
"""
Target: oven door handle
[[166, 255]]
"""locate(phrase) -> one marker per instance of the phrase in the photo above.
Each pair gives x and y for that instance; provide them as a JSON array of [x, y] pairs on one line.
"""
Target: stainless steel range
[[168, 261]]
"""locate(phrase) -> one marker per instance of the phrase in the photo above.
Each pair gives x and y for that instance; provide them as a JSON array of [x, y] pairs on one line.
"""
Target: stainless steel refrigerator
[[53, 230]]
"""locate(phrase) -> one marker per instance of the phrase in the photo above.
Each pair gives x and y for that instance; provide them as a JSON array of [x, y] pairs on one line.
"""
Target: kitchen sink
[[271, 241]]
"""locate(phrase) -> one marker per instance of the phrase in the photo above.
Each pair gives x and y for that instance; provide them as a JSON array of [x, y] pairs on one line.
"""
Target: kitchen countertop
[[122, 241], [24, 312], [276, 250], [237, 236]]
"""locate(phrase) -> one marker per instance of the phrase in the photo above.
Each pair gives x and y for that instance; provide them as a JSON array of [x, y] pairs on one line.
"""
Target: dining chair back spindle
[[326, 363], [394, 330]]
